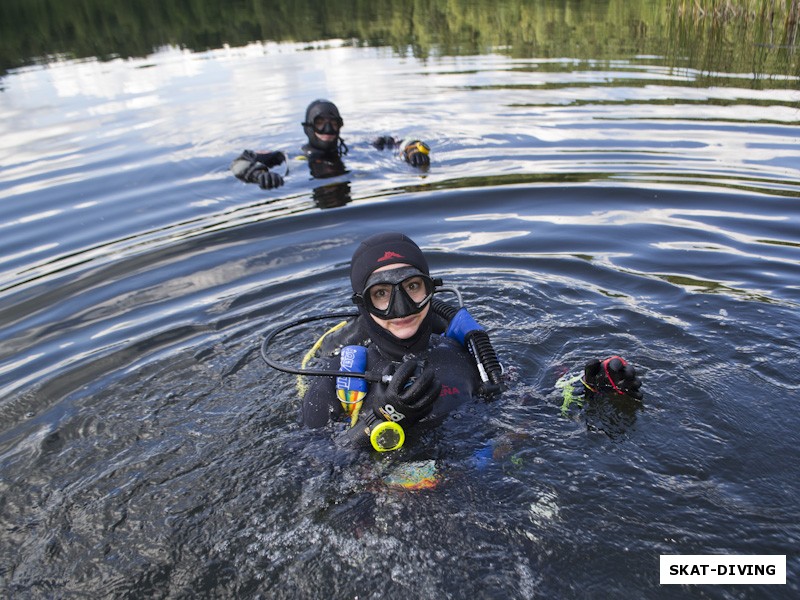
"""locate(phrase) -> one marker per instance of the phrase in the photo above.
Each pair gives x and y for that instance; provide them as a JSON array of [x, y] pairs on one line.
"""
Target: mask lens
[[379, 296], [331, 123], [416, 289]]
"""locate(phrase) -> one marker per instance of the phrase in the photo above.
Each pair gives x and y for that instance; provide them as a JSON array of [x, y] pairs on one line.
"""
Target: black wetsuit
[[453, 364]]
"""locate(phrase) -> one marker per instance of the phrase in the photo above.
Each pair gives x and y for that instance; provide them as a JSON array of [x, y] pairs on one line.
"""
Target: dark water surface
[[583, 208]]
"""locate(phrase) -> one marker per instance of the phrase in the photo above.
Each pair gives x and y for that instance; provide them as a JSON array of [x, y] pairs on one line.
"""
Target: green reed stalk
[[765, 12]]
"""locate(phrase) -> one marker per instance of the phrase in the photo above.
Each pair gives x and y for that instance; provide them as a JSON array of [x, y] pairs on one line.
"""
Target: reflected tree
[[743, 36]]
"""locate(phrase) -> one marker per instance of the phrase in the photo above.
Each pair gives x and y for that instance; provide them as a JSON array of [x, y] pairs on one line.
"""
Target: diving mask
[[325, 125], [396, 293]]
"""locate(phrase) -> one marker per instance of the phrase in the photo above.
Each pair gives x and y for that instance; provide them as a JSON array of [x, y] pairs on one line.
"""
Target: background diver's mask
[[326, 125], [396, 293]]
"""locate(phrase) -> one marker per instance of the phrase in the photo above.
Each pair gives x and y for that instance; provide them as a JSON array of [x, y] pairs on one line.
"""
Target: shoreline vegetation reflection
[[756, 37]]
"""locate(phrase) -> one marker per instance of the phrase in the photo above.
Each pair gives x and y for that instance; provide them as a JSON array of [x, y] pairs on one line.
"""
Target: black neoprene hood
[[384, 249], [373, 253], [320, 108]]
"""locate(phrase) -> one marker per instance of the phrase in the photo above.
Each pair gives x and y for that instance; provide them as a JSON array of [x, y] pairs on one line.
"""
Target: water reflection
[[701, 38], [334, 194]]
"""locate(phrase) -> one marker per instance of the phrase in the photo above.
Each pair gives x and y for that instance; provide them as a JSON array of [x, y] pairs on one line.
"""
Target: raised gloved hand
[[613, 374], [410, 394], [403, 401], [417, 154]]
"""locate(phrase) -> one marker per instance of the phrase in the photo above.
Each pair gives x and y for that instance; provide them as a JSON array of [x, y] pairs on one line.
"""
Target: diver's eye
[[379, 296], [415, 288]]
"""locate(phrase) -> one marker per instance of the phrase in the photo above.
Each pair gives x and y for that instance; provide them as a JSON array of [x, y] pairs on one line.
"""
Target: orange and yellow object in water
[[419, 475]]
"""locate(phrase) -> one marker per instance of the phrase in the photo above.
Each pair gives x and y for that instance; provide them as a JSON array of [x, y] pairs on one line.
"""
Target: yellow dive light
[[423, 148], [387, 436]]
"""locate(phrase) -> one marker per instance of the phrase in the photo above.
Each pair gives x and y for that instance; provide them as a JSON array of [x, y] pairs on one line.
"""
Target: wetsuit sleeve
[[270, 159], [456, 369], [320, 404]]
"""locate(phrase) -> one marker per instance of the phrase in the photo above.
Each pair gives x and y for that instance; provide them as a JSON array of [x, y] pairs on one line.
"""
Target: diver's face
[[404, 327], [326, 129]]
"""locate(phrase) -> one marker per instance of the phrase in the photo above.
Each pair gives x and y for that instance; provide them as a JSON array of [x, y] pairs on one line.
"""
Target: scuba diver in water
[[324, 151], [429, 356], [613, 377]]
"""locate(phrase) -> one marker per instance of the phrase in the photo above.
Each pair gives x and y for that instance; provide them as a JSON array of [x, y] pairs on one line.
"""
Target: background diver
[[323, 151]]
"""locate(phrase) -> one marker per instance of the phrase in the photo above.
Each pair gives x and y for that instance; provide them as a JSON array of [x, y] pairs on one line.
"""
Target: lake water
[[583, 207]]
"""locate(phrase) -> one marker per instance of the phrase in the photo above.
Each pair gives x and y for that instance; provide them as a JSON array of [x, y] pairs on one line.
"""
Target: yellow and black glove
[[417, 154]]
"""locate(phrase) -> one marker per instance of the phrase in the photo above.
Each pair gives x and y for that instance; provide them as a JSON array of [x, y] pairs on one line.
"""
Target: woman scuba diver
[[422, 357], [323, 151]]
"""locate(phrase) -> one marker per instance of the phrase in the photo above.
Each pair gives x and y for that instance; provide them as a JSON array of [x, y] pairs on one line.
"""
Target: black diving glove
[[613, 374], [410, 395], [417, 154], [267, 180], [406, 399]]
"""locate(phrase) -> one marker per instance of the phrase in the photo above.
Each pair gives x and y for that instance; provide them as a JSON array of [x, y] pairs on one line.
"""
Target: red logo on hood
[[389, 256]]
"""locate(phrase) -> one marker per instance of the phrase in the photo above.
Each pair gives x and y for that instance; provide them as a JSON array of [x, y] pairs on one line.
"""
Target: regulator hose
[[369, 376], [479, 344], [443, 309], [481, 347]]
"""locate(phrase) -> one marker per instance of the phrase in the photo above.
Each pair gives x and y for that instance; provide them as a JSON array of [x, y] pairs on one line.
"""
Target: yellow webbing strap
[[302, 386]]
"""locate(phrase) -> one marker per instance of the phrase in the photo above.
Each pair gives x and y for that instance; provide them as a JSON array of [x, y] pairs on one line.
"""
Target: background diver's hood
[[316, 109]]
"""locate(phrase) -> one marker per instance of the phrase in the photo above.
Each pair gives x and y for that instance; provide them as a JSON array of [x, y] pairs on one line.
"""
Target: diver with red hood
[[401, 332], [323, 151]]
